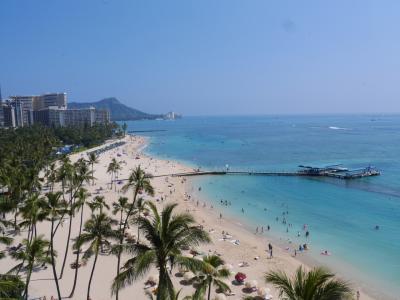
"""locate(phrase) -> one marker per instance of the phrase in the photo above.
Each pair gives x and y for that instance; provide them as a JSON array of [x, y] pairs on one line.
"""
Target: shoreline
[[167, 190], [278, 241]]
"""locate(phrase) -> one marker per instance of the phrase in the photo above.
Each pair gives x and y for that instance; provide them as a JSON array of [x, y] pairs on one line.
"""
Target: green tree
[[140, 206], [11, 287], [51, 175], [113, 168], [167, 234], [316, 284], [93, 159], [34, 254], [212, 274], [32, 213], [97, 232], [78, 175], [82, 196], [139, 182], [5, 240], [120, 207], [55, 208], [98, 203], [124, 128]]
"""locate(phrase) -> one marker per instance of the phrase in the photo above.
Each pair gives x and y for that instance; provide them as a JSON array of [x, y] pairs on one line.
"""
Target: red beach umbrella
[[240, 277]]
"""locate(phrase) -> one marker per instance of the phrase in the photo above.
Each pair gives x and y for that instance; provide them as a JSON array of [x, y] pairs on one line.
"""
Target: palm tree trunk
[[29, 234], [165, 287], [53, 264], [15, 218], [121, 239], [28, 279], [209, 289], [91, 274], [77, 256], [92, 175], [138, 231], [69, 237], [29, 238]]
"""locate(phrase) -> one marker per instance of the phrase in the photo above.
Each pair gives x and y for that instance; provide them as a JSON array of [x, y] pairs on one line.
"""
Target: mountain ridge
[[118, 110]]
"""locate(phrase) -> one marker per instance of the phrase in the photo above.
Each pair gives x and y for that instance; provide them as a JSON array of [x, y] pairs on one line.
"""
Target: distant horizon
[[224, 57], [360, 113]]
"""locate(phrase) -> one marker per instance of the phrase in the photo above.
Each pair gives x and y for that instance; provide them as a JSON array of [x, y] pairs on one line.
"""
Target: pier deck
[[336, 172], [367, 172]]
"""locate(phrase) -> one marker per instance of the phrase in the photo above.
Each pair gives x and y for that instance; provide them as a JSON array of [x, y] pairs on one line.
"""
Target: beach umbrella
[[240, 277]]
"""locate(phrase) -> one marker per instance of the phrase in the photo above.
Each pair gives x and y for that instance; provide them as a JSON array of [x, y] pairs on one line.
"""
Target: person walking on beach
[[270, 250], [257, 230], [358, 295]]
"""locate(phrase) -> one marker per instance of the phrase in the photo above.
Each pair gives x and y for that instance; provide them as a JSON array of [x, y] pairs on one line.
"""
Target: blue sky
[[206, 56]]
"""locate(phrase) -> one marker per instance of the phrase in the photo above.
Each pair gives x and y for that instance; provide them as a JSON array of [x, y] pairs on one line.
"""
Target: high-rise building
[[49, 110], [1, 114], [23, 106], [50, 100], [54, 116], [9, 116]]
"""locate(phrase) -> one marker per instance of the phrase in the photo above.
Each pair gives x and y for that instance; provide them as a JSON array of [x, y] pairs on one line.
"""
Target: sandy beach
[[250, 250]]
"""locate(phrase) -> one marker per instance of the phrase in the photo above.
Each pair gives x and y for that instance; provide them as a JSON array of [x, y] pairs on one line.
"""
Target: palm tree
[[138, 181], [79, 174], [51, 175], [93, 159], [64, 172], [121, 207], [175, 296], [34, 253], [82, 196], [32, 213], [99, 203], [212, 275], [113, 168], [124, 128], [4, 239], [167, 234], [141, 205], [55, 208], [317, 284], [11, 287], [97, 232]]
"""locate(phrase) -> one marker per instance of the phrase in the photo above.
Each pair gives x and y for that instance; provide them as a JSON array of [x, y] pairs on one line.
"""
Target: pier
[[334, 171]]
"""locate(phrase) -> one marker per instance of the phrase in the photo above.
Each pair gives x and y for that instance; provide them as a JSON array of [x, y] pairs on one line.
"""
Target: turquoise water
[[340, 215]]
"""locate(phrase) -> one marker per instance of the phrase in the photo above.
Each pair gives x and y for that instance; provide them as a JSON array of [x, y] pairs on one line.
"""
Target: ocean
[[340, 215]]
